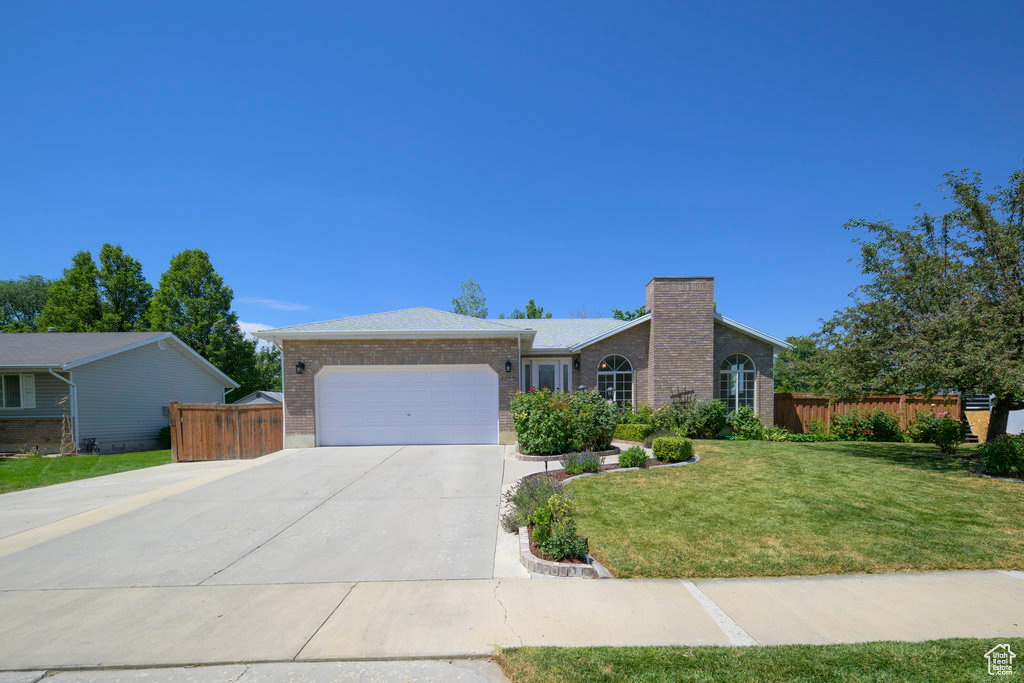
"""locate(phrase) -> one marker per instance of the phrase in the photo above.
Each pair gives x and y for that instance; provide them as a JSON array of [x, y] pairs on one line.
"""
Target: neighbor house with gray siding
[[114, 388]]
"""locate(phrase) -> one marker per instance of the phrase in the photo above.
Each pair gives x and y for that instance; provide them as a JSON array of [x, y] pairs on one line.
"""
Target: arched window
[[615, 379], [737, 381]]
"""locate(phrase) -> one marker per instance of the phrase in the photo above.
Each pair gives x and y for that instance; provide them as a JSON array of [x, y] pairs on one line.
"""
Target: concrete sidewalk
[[150, 626]]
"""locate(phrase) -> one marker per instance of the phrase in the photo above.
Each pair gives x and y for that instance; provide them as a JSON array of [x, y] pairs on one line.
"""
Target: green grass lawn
[[937, 660], [30, 472], [755, 508]]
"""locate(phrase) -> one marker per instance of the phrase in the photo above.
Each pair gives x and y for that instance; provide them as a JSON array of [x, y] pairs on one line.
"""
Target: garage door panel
[[407, 404]]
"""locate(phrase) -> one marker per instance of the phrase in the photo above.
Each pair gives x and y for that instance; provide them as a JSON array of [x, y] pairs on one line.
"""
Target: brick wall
[[682, 337], [20, 434], [633, 344], [727, 342], [300, 404]]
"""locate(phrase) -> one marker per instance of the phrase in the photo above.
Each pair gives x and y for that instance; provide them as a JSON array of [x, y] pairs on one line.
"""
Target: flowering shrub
[[939, 428], [744, 424], [578, 463], [549, 424], [866, 425], [525, 498]]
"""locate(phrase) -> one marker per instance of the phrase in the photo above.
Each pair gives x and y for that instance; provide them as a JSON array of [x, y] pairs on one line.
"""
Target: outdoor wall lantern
[[576, 363], [508, 366], [299, 367]]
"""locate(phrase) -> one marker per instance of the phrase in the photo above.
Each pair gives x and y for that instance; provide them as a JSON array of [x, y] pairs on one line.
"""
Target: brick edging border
[[614, 450], [538, 565]]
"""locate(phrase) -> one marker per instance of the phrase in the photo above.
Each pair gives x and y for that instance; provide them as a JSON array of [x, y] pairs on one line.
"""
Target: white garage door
[[406, 404]]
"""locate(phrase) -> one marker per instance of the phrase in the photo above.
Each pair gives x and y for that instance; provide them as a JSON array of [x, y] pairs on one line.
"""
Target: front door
[[553, 374]]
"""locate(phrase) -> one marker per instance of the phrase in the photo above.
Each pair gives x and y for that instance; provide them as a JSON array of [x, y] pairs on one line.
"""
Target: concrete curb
[[538, 565], [981, 473]]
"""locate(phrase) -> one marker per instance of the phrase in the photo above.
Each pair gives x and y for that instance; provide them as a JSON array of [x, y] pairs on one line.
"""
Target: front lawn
[[937, 660], [757, 508], [30, 472]]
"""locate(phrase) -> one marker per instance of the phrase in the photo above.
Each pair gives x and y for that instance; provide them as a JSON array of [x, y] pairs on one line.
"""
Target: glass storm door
[[553, 374], [546, 376]]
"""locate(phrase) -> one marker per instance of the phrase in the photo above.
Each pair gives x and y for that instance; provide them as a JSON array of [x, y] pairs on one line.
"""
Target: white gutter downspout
[[519, 368], [74, 403], [284, 413]]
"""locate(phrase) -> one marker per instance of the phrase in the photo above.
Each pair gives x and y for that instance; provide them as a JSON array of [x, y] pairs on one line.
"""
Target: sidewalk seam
[[336, 608], [733, 631]]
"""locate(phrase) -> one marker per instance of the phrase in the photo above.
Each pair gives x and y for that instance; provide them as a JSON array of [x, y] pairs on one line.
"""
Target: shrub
[[807, 438], [523, 499], [883, 426], [1004, 456], [549, 424], [744, 424], [698, 420], [866, 425], [946, 432], [633, 457], [775, 433], [578, 463], [650, 438], [849, 426], [632, 431], [673, 449], [165, 437], [816, 425], [554, 529]]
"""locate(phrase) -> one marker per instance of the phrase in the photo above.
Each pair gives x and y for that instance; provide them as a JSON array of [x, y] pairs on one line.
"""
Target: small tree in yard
[[943, 307], [471, 300]]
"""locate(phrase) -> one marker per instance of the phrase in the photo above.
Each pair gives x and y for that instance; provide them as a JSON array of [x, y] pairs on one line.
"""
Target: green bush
[[809, 438], [673, 449], [550, 424], [629, 431], [649, 439], [578, 463], [849, 426], [816, 425], [165, 437], [633, 457], [744, 424], [697, 420], [1004, 456], [867, 425], [525, 498], [947, 432], [554, 529]]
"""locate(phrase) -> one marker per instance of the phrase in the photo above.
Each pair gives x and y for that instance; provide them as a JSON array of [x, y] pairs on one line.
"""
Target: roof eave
[[270, 335], [611, 333]]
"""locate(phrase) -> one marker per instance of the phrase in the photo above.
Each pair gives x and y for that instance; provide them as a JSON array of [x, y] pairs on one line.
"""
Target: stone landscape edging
[[689, 461], [591, 570], [614, 450]]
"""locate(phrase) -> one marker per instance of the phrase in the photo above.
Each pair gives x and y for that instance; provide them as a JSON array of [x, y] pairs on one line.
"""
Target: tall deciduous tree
[[532, 312], [800, 368], [943, 307], [21, 302], [124, 292], [193, 302], [73, 302], [471, 300]]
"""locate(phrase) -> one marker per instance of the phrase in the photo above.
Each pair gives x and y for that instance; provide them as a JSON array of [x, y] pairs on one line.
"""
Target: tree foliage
[[73, 302], [532, 312], [629, 314], [21, 302], [800, 368], [471, 300], [124, 292], [943, 305]]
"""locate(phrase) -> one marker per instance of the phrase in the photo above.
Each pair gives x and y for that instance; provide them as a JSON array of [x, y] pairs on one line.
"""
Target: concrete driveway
[[378, 513]]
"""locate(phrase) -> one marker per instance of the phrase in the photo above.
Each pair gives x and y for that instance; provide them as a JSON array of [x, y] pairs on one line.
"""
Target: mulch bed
[[561, 475], [537, 551]]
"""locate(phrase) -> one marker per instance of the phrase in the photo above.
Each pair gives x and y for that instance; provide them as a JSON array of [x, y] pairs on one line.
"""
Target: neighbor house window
[[615, 379], [10, 396], [737, 382]]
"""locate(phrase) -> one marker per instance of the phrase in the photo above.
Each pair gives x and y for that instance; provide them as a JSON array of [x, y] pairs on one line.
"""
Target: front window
[[737, 382], [10, 396], [615, 379]]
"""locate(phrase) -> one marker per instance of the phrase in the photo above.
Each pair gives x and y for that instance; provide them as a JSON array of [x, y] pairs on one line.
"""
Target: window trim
[[3, 391], [721, 371], [613, 373]]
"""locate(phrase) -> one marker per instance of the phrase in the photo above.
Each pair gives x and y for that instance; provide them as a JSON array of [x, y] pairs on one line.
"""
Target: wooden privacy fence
[[212, 431], [795, 411]]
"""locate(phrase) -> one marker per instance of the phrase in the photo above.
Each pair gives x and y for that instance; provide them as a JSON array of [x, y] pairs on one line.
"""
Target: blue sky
[[343, 158]]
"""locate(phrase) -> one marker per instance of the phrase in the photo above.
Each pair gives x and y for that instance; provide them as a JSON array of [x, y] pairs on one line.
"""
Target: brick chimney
[[682, 346]]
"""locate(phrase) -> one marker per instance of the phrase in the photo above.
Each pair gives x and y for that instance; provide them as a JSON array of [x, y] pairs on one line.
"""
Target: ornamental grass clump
[[523, 499]]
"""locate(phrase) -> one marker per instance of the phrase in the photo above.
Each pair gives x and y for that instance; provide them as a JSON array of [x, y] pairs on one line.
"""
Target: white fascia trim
[[269, 335], [750, 331], [625, 326], [189, 351]]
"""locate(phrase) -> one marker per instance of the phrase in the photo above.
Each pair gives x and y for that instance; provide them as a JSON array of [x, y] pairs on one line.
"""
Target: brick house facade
[[675, 351]]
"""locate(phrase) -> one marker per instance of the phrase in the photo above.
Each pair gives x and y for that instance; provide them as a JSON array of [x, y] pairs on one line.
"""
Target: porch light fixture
[[300, 367], [576, 363], [508, 366]]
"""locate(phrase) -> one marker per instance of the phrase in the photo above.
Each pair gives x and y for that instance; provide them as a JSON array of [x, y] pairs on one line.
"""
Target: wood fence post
[[173, 422]]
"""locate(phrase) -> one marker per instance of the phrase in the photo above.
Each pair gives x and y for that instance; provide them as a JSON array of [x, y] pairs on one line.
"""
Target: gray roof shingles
[[44, 349], [551, 333]]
